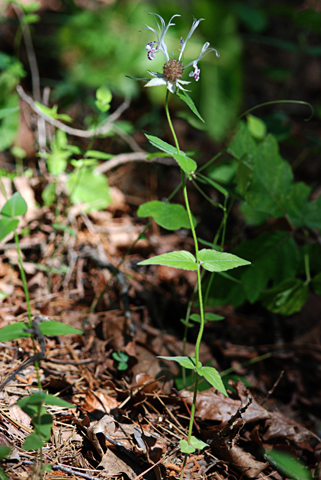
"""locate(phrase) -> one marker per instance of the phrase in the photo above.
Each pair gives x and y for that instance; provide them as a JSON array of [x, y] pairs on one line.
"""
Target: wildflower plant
[[172, 216]]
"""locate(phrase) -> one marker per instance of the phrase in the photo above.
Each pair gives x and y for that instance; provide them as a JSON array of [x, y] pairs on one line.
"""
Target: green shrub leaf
[[188, 165], [287, 297]]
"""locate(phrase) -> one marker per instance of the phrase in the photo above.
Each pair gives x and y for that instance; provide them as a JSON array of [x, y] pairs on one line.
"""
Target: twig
[[133, 157], [69, 470], [103, 128]]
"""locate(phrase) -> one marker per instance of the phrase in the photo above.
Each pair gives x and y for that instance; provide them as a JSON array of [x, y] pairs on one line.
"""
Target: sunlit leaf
[[215, 261], [171, 216], [186, 362], [182, 259]]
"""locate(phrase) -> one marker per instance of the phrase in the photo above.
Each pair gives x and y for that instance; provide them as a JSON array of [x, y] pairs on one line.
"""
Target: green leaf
[[288, 465], [54, 328], [198, 444], [209, 317], [256, 127], [42, 425], [33, 442], [161, 145], [316, 283], [42, 397], [90, 188], [16, 330], [4, 451], [182, 259], [7, 225], [185, 447], [215, 261], [186, 362], [188, 165], [189, 102], [15, 206], [5, 112], [287, 298], [99, 155], [171, 216], [213, 377]]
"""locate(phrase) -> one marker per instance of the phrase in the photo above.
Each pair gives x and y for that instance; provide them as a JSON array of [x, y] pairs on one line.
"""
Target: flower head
[[173, 68]]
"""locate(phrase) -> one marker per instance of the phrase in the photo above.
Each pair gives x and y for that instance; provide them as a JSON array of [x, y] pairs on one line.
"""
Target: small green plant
[[4, 452], [174, 216], [122, 359]]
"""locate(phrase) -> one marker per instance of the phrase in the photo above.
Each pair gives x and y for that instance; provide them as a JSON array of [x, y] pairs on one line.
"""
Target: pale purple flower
[[173, 68]]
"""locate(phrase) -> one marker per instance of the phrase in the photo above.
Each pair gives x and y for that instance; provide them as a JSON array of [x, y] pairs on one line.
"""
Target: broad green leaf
[[7, 225], [15, 206], [288, 465], [171, 216], [182, 259], [215, 261], [187, 99], [213, 377], [188, 165], [242, 143], [198, 444], [16, 330], [42, 425], [186, 362], [209, 317], [271, 181], [256, 127], [164, 146], [312, 218], [33, 442], [54, 328], [286, 298], [104, 94], [185, 447], [89, 188]]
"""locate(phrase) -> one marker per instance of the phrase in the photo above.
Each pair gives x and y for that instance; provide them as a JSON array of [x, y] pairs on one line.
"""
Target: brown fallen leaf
[[99, 401]]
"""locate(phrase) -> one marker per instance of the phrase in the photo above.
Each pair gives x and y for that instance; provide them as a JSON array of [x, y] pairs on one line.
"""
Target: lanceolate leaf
[[16, 330], [213, 377], [54, 328], [215, 261], [186, 362], [187, 99], [182, 259], [161, 145]]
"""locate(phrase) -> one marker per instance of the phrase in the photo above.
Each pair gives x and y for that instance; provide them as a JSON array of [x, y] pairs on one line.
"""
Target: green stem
[[25, 288], [23, 278], [199, 280]]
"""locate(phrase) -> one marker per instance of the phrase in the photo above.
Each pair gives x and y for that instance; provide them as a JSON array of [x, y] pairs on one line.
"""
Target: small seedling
[[122, 359]]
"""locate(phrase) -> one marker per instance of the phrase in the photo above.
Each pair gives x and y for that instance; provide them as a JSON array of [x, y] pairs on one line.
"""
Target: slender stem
[[199, 282], [23, 278]]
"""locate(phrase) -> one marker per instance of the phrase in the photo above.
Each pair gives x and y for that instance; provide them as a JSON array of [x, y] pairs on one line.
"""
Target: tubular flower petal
[[173, 69]]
